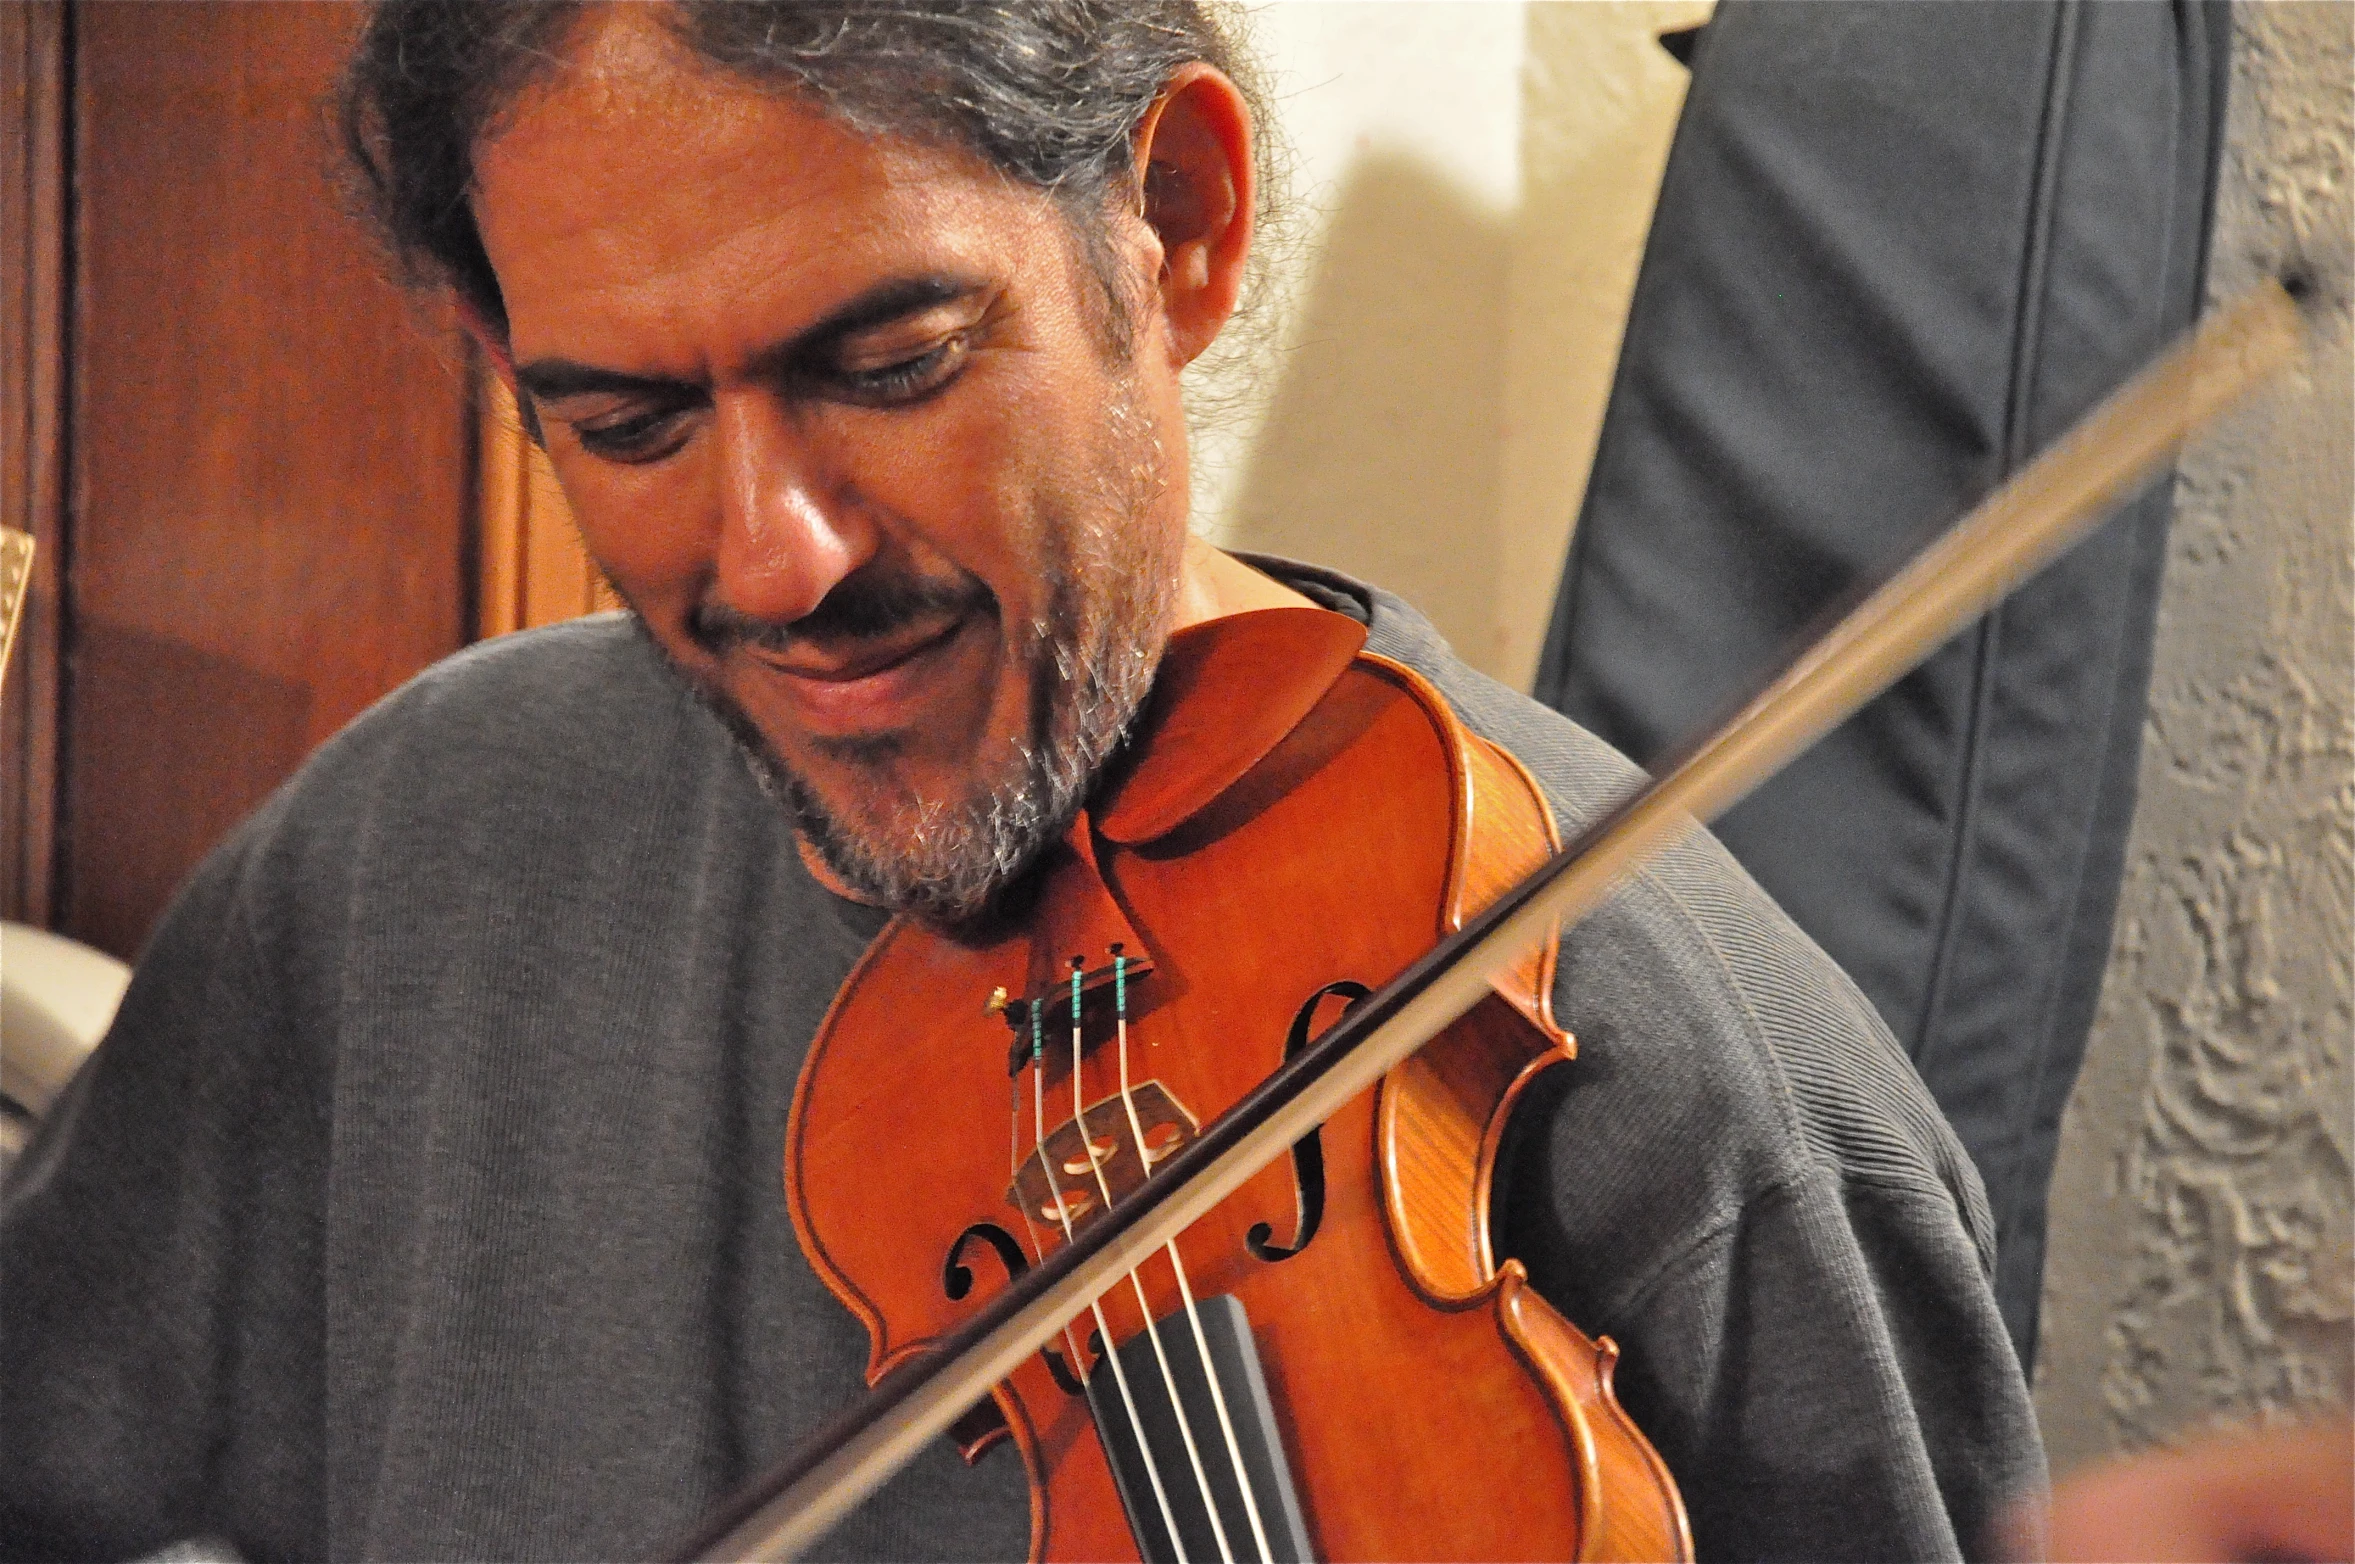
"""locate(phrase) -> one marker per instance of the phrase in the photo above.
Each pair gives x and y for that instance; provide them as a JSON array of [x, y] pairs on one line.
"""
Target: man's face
[[841, 419]]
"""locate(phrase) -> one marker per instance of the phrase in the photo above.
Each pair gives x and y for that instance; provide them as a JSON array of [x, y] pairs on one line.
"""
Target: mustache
[[858, 609]]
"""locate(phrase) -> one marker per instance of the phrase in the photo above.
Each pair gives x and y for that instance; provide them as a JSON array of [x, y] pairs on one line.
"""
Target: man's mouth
[[859, 688]]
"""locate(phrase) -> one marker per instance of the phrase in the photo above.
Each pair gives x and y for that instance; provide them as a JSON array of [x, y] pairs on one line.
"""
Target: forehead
[[636, 185]]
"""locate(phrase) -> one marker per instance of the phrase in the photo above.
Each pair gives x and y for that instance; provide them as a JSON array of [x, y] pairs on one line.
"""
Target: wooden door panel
[[534, 569], [270, 445], [33, 204]]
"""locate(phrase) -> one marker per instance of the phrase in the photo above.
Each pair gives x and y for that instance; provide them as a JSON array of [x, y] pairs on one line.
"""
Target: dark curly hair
[[1048, 92]]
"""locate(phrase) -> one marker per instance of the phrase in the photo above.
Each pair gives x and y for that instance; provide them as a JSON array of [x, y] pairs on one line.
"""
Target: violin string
[[1218, 1400], [1136, 1424], [1177, 1403], [1038, 1248]]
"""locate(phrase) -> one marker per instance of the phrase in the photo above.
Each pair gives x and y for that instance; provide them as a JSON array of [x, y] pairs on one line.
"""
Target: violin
[[1200, 1331], [1299, 821]]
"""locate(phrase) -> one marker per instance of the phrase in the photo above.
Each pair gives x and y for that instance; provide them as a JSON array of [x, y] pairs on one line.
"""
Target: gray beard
[[1091, 657], [945, 860]]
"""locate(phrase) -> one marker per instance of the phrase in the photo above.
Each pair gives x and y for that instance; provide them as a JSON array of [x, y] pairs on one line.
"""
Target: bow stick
[[2050, 504]]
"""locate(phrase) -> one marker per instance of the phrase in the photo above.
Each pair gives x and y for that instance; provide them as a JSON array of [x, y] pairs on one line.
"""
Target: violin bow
[[2046, 507]]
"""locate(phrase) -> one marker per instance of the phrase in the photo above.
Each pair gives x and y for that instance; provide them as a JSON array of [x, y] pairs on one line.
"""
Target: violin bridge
[[1066, 1162]]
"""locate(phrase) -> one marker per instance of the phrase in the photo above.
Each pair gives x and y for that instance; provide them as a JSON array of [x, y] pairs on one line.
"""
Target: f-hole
[[1308, 1152], [956, 1279]]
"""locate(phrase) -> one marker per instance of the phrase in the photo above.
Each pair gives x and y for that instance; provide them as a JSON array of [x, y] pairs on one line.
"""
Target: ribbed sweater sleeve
[[160, 1250]]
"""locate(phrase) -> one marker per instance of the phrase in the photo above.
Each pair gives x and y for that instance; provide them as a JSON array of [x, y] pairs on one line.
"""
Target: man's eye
[[909, 380], [631, 437]]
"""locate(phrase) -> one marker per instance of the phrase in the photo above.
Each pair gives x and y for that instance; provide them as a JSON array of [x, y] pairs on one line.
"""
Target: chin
[[940, 846]]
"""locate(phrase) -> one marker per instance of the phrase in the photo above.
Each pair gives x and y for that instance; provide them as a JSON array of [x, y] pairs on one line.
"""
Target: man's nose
[[788, 531]]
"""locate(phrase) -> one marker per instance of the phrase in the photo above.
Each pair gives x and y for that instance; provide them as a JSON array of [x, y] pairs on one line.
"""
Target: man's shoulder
[[579, 683], [1699, 1005], [584, 691], [510, 746]]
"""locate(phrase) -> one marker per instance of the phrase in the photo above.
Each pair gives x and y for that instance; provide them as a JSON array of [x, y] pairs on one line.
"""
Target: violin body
[[1300, 818]]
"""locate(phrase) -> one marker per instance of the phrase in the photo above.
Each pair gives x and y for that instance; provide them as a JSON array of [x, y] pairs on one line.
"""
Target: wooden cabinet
[[267, 484], [32, 480], [534, 571]]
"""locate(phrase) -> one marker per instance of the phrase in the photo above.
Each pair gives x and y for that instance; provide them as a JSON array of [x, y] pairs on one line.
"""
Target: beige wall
[[2201, 1253], [1472, 187]]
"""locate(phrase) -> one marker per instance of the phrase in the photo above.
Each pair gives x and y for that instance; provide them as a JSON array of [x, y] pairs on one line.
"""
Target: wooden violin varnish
[[1300, 820]]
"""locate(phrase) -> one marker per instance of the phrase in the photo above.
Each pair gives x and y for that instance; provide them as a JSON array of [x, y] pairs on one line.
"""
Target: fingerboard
[[1258, 1447]]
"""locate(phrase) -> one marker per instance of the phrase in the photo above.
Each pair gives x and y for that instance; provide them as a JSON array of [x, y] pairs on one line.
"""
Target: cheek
[[972, 482], [652, 530]]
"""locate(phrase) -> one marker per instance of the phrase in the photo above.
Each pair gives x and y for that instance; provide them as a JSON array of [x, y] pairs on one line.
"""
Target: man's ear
[[1197, 192], [492, 344]]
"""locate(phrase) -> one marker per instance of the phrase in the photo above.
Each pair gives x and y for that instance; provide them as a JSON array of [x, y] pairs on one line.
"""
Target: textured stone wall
[[2202, 1256]]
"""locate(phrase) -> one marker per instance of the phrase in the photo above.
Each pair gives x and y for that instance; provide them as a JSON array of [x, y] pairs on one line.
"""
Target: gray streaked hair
[[1047, 92]]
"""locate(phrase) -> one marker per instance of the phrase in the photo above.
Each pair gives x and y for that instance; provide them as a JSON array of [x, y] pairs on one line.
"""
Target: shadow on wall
[[1378, 450]]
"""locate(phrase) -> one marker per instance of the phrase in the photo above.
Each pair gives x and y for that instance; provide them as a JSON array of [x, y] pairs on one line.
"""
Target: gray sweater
[[424, 1200]]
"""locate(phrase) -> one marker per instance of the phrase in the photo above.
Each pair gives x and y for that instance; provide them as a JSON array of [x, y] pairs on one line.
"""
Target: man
[[424, 1201]]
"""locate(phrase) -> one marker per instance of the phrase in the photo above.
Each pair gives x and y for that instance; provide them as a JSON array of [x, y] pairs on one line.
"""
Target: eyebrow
[[549, 379]]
